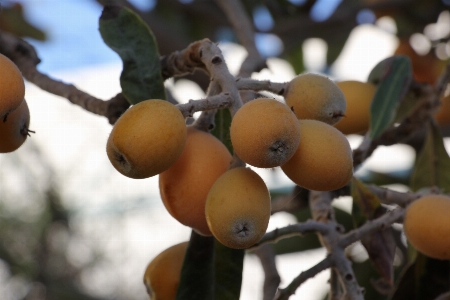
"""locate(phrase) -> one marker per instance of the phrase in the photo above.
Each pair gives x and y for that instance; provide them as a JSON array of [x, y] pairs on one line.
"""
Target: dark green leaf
[[365, 272], [295, 58], [228, 272], [197, 273], [394, 84], [377, 73], [221, 129], [336, 45], [366, 205], [125, 33], [13, 20], [432, 164], [408, 105], [228, 262], [424, 279]]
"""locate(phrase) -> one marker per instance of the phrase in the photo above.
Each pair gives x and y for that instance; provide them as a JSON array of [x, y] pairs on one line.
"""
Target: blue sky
[[74, 39], [73, 36]]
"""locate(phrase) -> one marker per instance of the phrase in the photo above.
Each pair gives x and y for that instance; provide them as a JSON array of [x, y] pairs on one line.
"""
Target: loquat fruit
[[323, 160], [314, 96], [185, 185], [427, 225], [14, 128], [147, 139], [238, 208], [162, 275], [359, 98], [264, 133], [12, 86]]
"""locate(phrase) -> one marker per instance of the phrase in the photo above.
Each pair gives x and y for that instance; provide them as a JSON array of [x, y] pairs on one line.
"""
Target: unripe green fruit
[[12, 86], [238, 208], [147, 139], [323, 160], [14, 128], [316, 97], [265, 133]]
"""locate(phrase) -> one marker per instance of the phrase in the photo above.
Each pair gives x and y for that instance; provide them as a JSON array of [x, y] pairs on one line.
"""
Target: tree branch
[[25, 57], [284, 294], [309, 226], [272, 279]]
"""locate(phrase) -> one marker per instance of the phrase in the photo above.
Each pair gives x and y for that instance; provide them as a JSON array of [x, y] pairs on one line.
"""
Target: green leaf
[[394, 84], [424, 279], [125, 33], [366, 205], [221, 130], [408, 105], [432, 164], [228, 272], [228, 262], [336, 44], [13, 20], [197, 273], [295, 58]]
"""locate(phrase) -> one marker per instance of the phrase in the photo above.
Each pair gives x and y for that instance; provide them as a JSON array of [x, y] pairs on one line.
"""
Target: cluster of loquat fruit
[[14, 112], [306, 138], [197, 185]]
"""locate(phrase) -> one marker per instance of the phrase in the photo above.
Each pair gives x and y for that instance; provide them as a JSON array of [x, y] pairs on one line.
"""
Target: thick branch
[[322, 211], [272, 279], [25, 57], [182, 62]]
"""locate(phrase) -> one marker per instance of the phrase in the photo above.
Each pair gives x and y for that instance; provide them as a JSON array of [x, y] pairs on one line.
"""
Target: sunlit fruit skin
[[314, 96], [147, 139], [185, 185], [359, 98], [12, 86], [265, 133], [162, 276], [238, 208], [323, 161], [427, 226], [14, 128]]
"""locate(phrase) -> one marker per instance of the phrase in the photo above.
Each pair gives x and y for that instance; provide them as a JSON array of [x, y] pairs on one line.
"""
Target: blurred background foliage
[[36, 232]]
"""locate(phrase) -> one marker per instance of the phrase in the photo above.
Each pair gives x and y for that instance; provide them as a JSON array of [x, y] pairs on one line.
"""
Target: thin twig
[[298, 229], [284, 294], [277, 88], [243, 27], [380, 223]]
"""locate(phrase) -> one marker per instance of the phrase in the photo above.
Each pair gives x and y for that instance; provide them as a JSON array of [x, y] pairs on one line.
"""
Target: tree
[[409, 90]]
